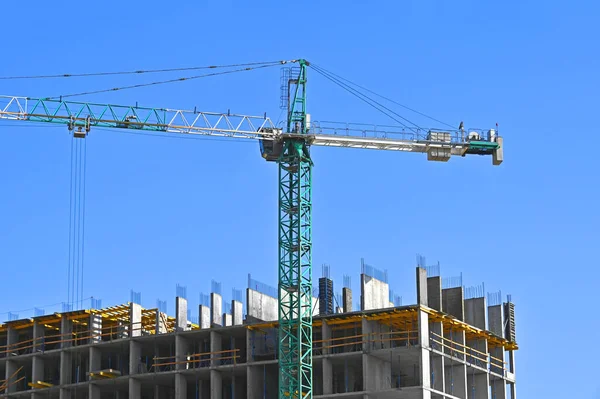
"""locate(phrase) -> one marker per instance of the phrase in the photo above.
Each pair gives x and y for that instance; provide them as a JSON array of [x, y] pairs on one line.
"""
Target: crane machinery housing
[[289, 147]]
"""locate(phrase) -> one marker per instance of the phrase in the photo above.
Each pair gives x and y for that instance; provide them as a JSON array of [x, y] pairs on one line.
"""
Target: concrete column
[[367, 335], [95, 328], [161, 322], [326, 336], [38, 337], [253, 383], [216, 310], [66, 367], [180, 386], [95, 359], [181, 314], [66, 394], [434, 292], [424, 357], [11, 368], [327, 376], [215, 346], [135, 389], [182, 351], [421, 286], [249, 348], [204, 316], [66, 332], [135, 356], [437, 361], [327, 366], [511, 363], [94, 391], [37, 369], [326, 300], [347, 299], [227, 320], [216, 385], [12, 339], [135, 319], [236, 313]]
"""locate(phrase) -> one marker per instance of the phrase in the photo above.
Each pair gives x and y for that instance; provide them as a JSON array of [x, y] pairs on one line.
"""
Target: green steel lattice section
[[295, 254]]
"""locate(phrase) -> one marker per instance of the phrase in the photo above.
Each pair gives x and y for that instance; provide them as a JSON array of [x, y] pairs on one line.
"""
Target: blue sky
[[165, 211]]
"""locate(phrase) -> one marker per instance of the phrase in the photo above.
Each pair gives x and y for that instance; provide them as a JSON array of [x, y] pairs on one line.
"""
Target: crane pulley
[[290, 148]]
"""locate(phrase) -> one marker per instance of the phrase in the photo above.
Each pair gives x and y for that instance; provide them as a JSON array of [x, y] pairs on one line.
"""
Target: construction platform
[[444, 346]]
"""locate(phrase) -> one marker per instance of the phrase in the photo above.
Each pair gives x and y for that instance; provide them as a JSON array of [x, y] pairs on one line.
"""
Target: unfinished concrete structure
[[444, 346]]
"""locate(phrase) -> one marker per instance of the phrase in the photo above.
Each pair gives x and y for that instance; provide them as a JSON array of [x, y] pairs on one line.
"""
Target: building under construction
[[444, 346]]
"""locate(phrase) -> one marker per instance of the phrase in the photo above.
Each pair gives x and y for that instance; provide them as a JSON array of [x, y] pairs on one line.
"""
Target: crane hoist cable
[[383, 97], [138, 72], [161, 82], [378, 106], [70, 224], [76, 221]]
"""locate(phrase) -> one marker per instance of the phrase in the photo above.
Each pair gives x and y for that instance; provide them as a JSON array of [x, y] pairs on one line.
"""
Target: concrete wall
[[421, 286], [135, 317], [434, 293], [375, 294], [347, 299], [261, 307], [236, 313], [216, 309], [204, 316], [452, 302], [161, 322], [496, 320], [376, 373], [181, 314], [475, 312]]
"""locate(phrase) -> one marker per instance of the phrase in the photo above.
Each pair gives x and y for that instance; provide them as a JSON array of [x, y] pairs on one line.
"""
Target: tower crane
[[289, 147]]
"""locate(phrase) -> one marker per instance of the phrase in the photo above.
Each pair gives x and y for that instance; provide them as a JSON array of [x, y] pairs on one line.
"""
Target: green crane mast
[[291, 150], [295, 250]]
